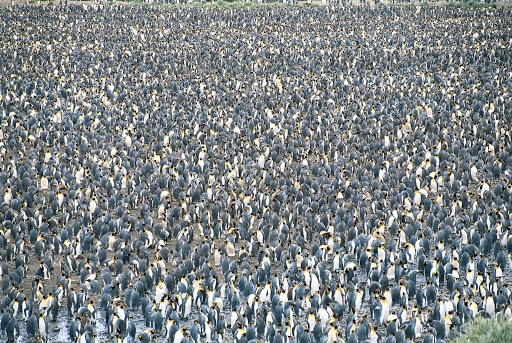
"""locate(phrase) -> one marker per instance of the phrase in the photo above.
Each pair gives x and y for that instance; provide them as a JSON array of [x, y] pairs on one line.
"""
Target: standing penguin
[[43, 326]]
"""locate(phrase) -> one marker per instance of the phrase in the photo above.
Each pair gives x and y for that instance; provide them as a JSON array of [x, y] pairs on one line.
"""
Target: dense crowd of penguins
[[257, 175]]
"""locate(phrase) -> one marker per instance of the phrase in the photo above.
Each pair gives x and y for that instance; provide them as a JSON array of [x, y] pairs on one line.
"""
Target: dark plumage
[[291, 174]]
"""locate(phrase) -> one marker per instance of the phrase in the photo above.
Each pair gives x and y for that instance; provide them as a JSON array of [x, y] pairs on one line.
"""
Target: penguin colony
[[276, 175]]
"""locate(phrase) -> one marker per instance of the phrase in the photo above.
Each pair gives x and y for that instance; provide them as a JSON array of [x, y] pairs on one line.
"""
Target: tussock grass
[[485, 330]]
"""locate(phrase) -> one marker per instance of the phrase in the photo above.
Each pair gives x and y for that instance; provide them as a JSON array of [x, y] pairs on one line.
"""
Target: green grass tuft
[[496, 330]]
